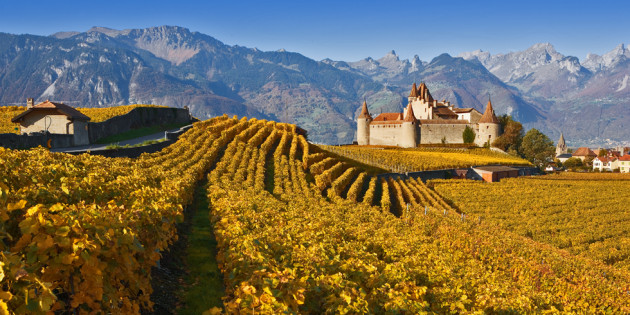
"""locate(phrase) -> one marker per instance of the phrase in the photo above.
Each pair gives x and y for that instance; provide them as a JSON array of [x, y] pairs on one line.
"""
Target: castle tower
[[488, 127], [363, 126], [408, 132], [561, 147], [413, 95]]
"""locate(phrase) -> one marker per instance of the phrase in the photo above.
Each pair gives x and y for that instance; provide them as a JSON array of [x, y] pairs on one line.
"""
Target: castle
[[426, 121]]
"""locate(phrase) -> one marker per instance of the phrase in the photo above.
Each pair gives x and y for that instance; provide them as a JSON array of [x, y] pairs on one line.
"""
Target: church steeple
[[561, 147]]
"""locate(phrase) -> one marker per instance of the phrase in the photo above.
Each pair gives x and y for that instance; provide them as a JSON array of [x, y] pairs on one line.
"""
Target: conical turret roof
[[421, 90], [410, 117], [364, 111], [414, 91], [488, 116], [427, 95]]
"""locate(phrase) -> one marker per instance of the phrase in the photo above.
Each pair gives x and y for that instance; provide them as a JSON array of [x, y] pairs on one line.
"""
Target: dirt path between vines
[[187, 279]]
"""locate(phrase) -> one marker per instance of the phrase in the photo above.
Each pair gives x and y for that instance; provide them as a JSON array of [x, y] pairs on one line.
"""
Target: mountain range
[[173, 66]]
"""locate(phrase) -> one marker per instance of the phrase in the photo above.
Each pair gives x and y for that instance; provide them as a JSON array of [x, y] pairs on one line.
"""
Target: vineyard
[[95, 114], [6, 113], [422, 159], [299, 230], [585, 214]]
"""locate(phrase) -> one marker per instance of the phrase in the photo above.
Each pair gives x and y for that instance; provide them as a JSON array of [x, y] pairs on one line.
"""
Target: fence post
[[463, 217]]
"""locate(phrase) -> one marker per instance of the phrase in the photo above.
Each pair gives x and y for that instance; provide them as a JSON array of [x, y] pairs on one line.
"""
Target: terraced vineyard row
[[422, 159], [82, 232], [586, 215], [286, 248], [297, 229]]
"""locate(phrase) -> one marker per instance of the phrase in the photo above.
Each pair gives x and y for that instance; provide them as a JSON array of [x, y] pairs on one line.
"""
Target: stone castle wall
[[433, 133], [393, 134], [385, 134]]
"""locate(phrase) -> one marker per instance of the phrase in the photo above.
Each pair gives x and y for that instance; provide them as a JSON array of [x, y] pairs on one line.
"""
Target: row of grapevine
[[6, 114], [421, 159], [586, 216], [82, 232], [297, 252]]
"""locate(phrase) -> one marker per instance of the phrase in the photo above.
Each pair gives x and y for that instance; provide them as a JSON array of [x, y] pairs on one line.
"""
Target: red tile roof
[[584, 151], [625, 158], [60, 107], [388, 117], [605, 160]]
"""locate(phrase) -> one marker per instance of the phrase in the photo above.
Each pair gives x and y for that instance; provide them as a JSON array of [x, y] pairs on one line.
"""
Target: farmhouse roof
[[48, 105], [488, 116], [364, 111], [584, 151], [565, 156]]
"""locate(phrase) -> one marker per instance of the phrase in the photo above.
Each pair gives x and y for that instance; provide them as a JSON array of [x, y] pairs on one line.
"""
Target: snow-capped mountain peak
[[608, 60]]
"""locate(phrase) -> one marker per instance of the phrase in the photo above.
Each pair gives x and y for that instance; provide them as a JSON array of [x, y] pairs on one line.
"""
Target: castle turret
[[489, 127], [408, 132], [561, 147], [414, 91], [363, 126]]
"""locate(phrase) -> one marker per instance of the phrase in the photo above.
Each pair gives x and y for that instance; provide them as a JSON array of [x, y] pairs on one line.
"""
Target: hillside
[[316, 234]]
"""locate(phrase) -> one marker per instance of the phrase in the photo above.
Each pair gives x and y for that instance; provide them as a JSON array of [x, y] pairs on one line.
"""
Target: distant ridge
[[173, 66]]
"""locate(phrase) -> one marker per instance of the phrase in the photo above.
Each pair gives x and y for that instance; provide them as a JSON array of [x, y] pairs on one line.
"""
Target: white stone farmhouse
[[55, 118]]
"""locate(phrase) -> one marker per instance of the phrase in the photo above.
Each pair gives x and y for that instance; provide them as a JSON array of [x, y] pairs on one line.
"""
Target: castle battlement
[[426, 121]]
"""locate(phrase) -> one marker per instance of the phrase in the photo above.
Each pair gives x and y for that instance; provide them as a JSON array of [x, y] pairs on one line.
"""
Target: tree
[[537, 148], [468, 135], [573, 163], [510, 140], [602, 152]]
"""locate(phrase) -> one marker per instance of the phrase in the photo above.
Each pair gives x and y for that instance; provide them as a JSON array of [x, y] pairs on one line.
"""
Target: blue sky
[[349, 30]]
